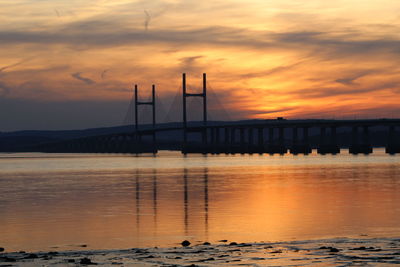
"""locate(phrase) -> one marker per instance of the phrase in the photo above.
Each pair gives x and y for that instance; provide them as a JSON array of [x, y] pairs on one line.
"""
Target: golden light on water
[[269, 198]]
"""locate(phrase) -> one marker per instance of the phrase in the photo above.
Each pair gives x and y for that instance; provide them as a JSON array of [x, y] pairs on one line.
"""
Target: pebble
[[31, 256], [360, 248], [233, 244], [7, 259], [86, 261], [149, 257], [331, 249], [1, 249], [208, 259], [206, 243], [185, 243], [46, 258]]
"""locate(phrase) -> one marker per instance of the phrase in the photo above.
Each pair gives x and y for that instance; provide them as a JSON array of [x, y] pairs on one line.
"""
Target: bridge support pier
[[211, 147], [393, 145], [233, 147], [243, 145], [302, 147], [217, 146], [227, 141], [364, 147], [260, 146], [250, 146], [328, 147], [277, 148]]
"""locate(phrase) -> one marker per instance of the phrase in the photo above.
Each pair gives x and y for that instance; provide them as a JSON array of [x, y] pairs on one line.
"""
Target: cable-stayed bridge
[[277, 136]]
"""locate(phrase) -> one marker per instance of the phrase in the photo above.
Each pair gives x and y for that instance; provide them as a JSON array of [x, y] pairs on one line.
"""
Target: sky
[[69, 64]]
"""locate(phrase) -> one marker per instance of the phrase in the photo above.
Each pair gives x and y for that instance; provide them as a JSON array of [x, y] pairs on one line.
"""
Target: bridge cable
[[215, 104]]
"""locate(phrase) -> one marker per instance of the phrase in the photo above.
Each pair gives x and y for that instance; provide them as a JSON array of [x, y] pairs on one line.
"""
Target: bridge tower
[[151, 103], [185, 95]]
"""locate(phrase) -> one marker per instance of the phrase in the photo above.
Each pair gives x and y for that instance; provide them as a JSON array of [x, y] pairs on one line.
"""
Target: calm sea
[[68, 201]]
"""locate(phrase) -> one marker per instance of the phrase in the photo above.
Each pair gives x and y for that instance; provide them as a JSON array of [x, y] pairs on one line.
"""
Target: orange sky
[[292, 58]]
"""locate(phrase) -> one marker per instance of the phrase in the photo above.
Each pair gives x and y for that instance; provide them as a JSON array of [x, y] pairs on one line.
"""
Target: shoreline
[[336, 251]]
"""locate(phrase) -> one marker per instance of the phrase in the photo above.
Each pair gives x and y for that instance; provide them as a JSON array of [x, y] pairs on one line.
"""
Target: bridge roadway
[[263, 136]]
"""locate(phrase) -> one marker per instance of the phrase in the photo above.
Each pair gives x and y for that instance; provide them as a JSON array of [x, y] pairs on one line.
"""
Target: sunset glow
[[297, 59]]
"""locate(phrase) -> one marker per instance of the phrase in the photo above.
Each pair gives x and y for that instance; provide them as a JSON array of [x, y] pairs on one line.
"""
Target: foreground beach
[[327, 252]]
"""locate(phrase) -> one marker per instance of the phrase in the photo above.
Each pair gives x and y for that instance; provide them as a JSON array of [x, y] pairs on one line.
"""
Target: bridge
[[277, 136]]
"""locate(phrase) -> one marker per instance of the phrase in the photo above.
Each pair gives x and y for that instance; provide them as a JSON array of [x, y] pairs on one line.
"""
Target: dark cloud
[[79, 36], [322, 92], [29, 89], [78, 76], [189, 64], [189, 60], [348, 80], [98, 33], [271, 111], [351, 78], [34, 114], [4, 89]]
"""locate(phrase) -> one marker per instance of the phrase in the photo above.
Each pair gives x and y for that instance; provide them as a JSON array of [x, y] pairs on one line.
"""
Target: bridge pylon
[[185, 95], [151, 103]]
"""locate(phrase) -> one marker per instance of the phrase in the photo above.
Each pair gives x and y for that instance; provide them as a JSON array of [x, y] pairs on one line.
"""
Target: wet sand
[[327, 252]]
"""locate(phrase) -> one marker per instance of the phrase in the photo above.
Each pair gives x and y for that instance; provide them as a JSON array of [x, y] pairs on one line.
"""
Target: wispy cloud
[[318, 43], [350, 80], [147, 20], [104, 73], [57, 13], [78, 76], [15, 64]]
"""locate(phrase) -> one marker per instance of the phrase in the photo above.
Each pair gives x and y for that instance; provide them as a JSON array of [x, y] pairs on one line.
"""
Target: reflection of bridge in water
[[139, 189], [269, 136]]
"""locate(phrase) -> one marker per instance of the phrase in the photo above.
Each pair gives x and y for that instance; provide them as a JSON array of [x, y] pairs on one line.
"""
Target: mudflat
[[323, 252]]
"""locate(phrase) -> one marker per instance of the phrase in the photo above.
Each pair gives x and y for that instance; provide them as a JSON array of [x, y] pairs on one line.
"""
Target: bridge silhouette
[[277, 136]]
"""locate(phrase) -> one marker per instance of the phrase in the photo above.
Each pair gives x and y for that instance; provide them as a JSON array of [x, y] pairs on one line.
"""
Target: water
[[64, 201]]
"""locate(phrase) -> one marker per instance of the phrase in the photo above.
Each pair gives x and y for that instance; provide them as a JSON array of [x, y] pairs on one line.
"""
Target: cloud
[[147, 20], [271, 111], [78, 76], [98, 34], [189, 64], [4, 89], [322, 92], [15, 64], [350, 80], [273, 71], [57, 13], [103, 74]]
